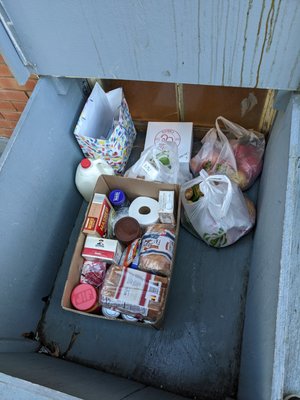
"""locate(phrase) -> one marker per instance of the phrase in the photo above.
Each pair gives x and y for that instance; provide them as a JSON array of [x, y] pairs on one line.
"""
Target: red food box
[[96, 221]]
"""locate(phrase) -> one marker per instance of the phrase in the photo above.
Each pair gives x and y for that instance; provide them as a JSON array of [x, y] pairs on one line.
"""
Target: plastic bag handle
[[237, 130], [218, 178]]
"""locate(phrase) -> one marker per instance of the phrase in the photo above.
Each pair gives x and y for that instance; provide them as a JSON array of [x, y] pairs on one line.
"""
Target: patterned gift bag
[[117, 148]]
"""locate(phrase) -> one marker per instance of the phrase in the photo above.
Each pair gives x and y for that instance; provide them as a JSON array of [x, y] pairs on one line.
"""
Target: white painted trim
[[12, 388]]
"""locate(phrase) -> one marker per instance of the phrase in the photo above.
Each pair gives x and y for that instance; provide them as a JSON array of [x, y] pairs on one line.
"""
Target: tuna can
[[130, 318], [110, 313], [84, 297]]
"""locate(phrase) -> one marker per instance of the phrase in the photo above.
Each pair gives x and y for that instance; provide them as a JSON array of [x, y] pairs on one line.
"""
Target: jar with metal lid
[[118, 199], [120, 204]]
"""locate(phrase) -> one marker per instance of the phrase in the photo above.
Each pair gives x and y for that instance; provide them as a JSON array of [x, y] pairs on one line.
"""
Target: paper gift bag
[[105, 128]]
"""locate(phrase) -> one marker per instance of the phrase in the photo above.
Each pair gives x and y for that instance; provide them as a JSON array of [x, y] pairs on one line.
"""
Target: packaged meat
[[134, 292], [157, 247]]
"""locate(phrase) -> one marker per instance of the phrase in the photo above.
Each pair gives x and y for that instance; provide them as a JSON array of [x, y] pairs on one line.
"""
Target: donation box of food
[[140, 286]]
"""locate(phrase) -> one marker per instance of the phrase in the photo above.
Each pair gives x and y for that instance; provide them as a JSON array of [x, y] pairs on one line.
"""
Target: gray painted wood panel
[[270, 364], [287, 350], [219, 42], [257, 359], [38, 205]]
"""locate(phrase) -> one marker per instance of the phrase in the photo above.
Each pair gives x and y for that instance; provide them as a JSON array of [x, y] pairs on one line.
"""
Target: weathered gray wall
[[257, 369], [218, 42], [38, 206], [287, 352]]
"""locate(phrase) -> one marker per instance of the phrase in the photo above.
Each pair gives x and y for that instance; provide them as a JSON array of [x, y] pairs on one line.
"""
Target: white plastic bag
[[222, 214], [159, 162], [215, 156], [237, 154]]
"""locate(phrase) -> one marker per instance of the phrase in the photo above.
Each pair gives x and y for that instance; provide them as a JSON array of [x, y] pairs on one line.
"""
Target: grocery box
[[179, 132], [133, 188]]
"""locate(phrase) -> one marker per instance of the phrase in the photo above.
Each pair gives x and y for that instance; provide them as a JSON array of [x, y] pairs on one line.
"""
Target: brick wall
[[13, 98]]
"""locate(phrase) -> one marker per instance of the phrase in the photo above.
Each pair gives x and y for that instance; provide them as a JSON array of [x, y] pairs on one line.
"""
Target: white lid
[[128, 317], [110, 313]]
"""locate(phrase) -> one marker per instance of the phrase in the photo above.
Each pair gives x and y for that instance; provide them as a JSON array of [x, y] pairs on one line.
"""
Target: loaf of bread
[[134, 292], [156, 252]]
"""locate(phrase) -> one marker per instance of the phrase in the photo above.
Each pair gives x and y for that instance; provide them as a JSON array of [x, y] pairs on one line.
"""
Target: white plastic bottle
[[87, 173]]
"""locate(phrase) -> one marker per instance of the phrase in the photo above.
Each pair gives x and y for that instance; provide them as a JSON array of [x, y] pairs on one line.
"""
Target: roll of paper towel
[[144, 210]]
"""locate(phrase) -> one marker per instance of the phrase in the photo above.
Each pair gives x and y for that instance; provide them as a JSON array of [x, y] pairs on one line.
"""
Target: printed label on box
[[166, 207], [180, 133], [96, 222], [108, 250]]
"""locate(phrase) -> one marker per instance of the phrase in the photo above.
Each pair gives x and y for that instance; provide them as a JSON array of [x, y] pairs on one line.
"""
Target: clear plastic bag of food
[[236, 152], [159, 162], [156, 251], [134, 292], [217, 209]]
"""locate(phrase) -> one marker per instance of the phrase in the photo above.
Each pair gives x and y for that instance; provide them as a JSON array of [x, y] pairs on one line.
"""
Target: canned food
[[130, 318], [110, 313], [127, 229]]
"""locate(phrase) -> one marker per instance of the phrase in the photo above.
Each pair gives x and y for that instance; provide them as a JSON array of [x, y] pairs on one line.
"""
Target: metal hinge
[[12, 34]]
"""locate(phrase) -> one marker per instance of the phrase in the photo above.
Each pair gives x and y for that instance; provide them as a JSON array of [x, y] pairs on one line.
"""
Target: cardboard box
[[96, 220], [133, 188], [179, 132], [166, 207]]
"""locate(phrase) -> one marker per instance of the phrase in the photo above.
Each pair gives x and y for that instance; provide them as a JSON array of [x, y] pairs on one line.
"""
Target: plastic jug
[[87, 173]]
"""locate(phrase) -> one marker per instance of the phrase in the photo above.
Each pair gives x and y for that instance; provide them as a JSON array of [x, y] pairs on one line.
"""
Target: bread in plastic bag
[[134, 292], [159, 162], [237, 153], [218, 210], [156, 251]]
